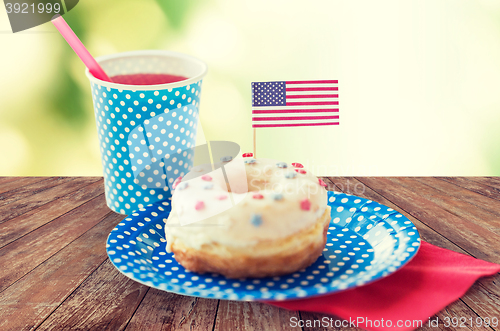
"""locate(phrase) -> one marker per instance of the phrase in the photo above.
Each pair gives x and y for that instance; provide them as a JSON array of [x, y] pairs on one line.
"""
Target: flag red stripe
[[295, 124], [298, 118], [320, 103], [298, 89], [276, 111], [312, 96], [313, 82]]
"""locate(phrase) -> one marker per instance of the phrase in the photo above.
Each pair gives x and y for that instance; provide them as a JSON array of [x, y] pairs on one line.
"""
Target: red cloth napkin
[[434, 278]]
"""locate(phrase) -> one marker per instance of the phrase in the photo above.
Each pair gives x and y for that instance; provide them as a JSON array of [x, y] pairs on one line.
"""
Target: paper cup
[[146, 132]]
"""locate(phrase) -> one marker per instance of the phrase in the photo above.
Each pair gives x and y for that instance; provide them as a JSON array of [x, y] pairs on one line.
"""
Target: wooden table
[[55, 274]]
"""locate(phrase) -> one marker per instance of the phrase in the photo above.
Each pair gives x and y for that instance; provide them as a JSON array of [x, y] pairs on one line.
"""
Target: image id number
[[463, 322], [25, 8]]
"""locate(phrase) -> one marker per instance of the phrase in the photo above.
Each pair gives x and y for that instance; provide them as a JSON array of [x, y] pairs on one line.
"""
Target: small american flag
[[295, 103]]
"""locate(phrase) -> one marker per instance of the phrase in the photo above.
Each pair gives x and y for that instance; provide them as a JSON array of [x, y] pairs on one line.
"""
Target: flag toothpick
[[294, 103], [254, 142]]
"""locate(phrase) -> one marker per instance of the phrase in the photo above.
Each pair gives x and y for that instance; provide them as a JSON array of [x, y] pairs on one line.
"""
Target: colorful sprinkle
[[182, 186], [256, 219], [258, 196], [282, 165], [322, 183], [278, 196], [305, 204], [251, 161], [290, 175], [206, 177], [221, 197], [300, 171], [208, 186], [226, 158], [247, 154], [199, 205], [176, 182], [297, 165]]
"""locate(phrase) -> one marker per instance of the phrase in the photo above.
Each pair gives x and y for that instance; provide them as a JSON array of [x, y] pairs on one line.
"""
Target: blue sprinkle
[[278, 196], [281, 165], [208, 186], [250, 161], [182, 186], [290, 175], [256, 219], [226, 158]]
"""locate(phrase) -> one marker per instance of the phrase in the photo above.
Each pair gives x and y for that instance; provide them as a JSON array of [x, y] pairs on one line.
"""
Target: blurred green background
[[419, 81]]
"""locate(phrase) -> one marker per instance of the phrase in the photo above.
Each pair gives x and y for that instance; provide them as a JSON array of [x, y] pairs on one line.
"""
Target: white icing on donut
[[267, 202]]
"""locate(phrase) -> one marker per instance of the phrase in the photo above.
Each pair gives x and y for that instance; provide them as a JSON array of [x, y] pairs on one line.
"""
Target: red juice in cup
[[147, 79]]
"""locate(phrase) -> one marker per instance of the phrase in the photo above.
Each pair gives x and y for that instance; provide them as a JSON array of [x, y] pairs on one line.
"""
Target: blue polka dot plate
[[366, 241]]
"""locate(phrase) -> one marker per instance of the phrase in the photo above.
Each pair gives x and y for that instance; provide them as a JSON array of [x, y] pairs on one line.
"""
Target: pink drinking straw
[[80, 50]]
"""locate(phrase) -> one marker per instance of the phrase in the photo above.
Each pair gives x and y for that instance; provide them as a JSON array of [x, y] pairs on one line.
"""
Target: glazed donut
[[255, 218]]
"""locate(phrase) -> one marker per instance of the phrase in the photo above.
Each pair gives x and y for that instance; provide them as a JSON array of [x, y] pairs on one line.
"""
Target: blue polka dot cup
[[146, 132]]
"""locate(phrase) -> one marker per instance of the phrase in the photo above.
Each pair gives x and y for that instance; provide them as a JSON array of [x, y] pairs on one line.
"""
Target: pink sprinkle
[[297, 165], [258, 196], [247, 154], [199, 205], [206, 177], [177, 182], [300, 171], [222, 197], [322, 183], [305, 204]]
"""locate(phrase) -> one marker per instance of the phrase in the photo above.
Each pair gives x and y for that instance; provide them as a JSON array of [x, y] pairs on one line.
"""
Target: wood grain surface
[[55, 274]]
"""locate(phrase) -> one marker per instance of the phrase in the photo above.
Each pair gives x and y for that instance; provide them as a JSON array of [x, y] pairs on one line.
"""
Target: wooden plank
[[491, 181], [234, 315], [476, 195], [474, 186], [461, 202], [19, 207], [164, 311], [26, 253], [106, 300], [12, 183], [25, 191], [469, 236], [28, 302], [350, 185], [33, 219], [6, 179]]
